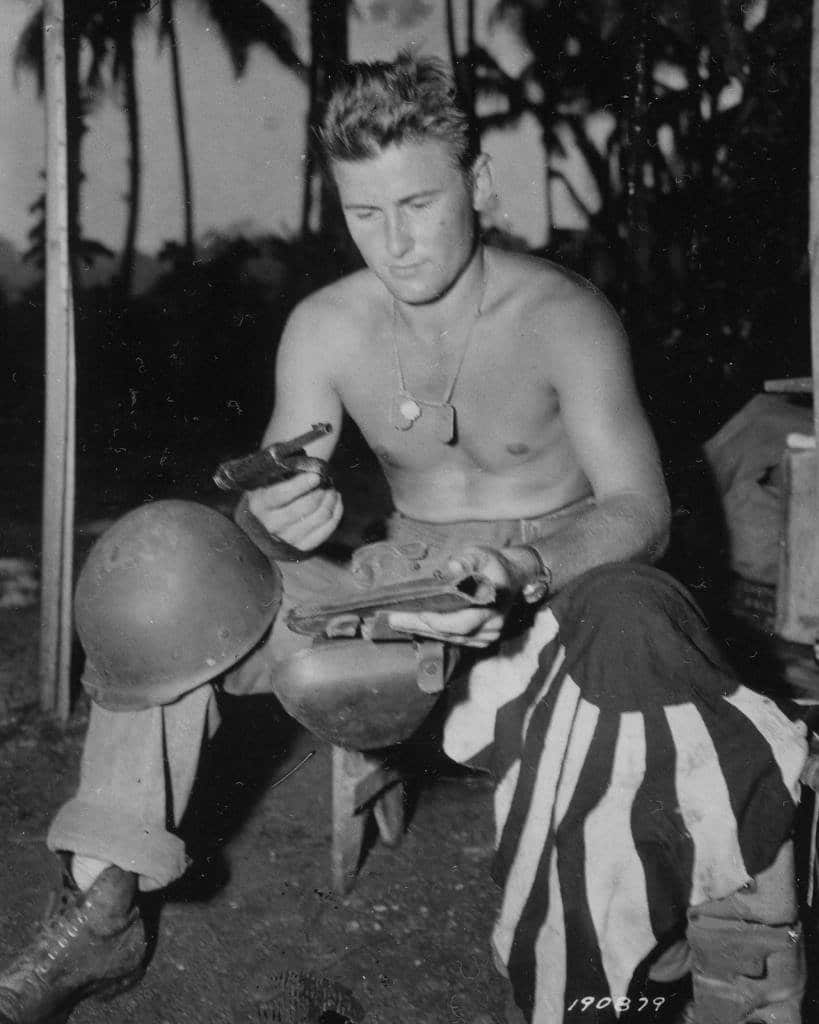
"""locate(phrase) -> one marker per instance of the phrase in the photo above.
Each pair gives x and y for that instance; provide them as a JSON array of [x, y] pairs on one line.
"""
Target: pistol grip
[[247, 472]]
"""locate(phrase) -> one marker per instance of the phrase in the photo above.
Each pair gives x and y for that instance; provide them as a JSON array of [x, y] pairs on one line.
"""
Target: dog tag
[[445, 423]]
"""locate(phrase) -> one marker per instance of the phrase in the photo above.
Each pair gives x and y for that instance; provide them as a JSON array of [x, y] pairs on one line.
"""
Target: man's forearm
[[622, 528], [276, 549]]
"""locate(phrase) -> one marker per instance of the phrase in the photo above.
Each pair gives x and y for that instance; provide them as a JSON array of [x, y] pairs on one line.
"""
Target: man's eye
[[364, 214], [420, 204]]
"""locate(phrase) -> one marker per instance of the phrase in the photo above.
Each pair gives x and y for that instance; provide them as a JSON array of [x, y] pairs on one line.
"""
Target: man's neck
[[435, 321]]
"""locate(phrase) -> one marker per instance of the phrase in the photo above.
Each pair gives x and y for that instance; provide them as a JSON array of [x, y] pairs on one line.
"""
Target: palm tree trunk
[[328, 36], [181, 124], [548, 226], [463, 67], [126, 273], [451, 42], [58, 464], [469, 71]]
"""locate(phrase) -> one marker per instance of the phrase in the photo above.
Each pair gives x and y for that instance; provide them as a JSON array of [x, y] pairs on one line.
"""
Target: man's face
[[410, 211]]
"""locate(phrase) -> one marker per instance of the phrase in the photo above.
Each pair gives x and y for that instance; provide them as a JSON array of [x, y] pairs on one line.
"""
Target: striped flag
[[635, 777]]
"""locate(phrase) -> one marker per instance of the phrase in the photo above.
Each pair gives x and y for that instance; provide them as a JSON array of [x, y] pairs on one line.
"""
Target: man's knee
[[635, 639], [625, 595], [302, 583]]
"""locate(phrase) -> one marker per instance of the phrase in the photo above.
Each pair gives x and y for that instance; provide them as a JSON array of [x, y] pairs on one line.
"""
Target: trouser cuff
[[148, 850]]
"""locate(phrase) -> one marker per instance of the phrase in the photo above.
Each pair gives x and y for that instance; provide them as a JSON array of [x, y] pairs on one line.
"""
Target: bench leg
[[361, 783], [348, 823], [389, 814]]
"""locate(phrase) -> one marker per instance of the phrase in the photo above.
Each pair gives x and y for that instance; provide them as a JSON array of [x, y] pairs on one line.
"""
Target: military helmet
[[170, 596]]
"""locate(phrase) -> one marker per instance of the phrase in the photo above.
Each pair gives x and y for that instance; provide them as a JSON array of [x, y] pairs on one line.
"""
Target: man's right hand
[[299, 510]]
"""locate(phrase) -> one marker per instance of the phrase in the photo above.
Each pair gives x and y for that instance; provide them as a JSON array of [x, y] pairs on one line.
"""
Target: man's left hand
[[470, 627]]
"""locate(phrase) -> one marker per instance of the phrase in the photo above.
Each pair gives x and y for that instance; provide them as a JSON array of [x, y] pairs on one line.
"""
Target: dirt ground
[[409, 943], [257, 916]]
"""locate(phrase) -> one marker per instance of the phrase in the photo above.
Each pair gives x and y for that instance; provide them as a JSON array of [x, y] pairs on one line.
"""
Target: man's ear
[[482, 182]]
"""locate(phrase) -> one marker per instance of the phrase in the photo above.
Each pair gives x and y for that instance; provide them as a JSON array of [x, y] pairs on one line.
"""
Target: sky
[[246, 136], [246, 155]]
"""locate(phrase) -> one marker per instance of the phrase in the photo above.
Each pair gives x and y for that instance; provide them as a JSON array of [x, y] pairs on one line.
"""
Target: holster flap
[[362, 695]]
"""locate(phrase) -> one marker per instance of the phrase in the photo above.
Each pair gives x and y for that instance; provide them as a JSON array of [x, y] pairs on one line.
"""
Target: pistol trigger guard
[[344, 626], [308, 464]]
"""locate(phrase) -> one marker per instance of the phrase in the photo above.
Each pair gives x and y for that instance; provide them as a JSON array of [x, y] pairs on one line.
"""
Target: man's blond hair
[[412, 99]]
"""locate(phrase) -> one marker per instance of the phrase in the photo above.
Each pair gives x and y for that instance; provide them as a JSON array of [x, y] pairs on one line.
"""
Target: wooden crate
[[797, 593]]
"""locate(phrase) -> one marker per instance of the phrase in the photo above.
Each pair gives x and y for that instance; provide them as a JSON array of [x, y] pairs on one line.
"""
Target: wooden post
[[58, 463], [813, 252]]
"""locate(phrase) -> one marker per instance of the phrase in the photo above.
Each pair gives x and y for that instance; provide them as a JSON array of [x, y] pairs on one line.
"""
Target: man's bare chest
[[417, 409]]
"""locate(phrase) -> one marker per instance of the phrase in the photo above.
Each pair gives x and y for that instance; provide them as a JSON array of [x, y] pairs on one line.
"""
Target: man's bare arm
[[613, 444], [300, 511]]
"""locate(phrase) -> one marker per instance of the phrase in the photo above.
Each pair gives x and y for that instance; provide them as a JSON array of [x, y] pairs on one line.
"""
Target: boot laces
[[61, 923]]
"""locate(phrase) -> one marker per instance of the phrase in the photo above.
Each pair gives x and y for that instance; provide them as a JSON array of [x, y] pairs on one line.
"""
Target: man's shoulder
[[324, 329], [547, 280], [548, 293], [344, 303]]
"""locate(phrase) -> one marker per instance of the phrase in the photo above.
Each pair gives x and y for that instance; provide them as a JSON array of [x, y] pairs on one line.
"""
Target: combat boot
[[746, 973], [748, 957], [90, 943]]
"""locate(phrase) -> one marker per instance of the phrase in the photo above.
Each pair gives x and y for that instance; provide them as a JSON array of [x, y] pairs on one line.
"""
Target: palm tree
[[109, 31], [29, 56], [167, 31], [328, 49], [241, 24], [119, 24], [463, 65]]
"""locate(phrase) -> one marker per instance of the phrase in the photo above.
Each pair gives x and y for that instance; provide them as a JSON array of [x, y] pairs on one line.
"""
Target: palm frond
[[28, 53], [243, 23]]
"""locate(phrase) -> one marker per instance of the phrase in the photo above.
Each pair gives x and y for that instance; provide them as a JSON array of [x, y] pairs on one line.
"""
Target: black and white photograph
[[409, 517]]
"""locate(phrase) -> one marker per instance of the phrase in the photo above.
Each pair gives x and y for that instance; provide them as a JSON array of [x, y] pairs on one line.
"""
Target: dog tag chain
[[407, 408]]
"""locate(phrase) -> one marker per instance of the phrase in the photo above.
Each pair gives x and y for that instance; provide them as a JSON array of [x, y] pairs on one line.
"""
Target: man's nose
[[398, 237]]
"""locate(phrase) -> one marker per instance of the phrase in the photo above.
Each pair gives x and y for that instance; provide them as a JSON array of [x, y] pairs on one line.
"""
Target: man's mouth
[[405, 271]]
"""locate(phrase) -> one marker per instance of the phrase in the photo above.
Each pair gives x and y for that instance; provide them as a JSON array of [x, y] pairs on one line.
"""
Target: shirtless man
[[546, 411], [644, 798]]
